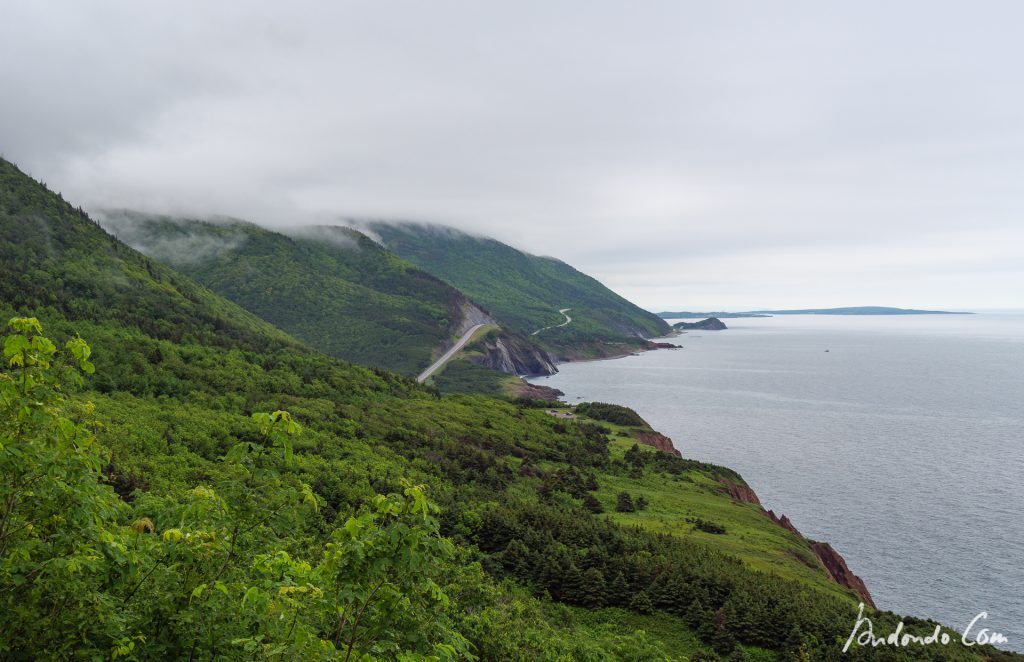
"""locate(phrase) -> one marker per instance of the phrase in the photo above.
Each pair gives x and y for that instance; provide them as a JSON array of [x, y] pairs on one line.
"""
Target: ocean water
[[902, 444]]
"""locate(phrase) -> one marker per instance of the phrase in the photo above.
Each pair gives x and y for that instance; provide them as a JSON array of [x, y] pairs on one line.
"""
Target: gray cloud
[[183, 246], [339, 237], [688, 154]]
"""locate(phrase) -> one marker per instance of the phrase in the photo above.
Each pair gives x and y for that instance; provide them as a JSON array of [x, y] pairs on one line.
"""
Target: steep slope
[[331, 287], [526, 292], [217, 551]]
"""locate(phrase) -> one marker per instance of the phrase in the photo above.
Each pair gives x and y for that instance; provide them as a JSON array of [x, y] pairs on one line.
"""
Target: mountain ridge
[[330, 286]]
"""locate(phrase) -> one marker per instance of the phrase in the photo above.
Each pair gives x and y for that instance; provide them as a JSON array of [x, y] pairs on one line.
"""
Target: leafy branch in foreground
[[55, 517], [221, 571]]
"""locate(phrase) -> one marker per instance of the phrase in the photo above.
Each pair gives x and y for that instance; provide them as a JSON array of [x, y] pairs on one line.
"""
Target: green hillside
[[526, 292], [198, 485], [330, 287]]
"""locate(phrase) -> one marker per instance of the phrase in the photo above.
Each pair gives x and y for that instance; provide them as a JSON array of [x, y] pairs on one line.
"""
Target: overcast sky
[[687, 154]]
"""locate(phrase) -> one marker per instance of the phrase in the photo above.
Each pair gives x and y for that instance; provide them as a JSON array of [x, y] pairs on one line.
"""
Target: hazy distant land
[[853, 310]]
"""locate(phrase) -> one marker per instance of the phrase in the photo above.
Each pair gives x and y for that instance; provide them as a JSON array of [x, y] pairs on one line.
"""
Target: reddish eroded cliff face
[[742, 493], [836, 566], [659, 441], [784, 522], [832, 560]]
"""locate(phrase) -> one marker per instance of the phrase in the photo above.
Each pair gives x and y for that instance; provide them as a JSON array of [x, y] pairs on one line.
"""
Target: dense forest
[[179, 479]]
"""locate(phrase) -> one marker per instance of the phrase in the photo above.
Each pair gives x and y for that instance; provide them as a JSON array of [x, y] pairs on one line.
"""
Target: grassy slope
[[675, 500], [524, 291], [179, 369], [750, 535], [331, 287]]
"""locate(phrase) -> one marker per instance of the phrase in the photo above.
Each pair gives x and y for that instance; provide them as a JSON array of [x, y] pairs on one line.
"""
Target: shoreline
[[674, 333], [831, 560]]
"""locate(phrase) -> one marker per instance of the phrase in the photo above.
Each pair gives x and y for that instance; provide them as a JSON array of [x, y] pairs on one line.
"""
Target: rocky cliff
[[500, 350], [742, 493], [512, 353], [837, 568], [659, 441]]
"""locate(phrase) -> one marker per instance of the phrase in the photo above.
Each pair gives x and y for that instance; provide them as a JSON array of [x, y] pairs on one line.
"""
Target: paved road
[[567, 320], [459, 344]]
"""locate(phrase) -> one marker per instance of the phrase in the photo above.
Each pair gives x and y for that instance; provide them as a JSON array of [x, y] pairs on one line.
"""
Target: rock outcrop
[[659, 441], [466, 315], [784, 522]]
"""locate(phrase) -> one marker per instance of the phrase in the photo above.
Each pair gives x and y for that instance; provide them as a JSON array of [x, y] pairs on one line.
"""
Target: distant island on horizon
[[852, 310]]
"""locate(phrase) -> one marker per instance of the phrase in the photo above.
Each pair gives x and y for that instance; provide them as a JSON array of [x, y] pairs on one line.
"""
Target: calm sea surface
[[902, 444]]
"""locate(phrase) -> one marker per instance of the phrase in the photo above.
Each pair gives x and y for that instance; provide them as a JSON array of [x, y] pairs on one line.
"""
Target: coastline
[[637, 351], [768, 401], [829, 559]]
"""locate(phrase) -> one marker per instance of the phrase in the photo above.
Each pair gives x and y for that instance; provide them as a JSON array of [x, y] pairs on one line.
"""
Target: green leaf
[[14, 345], [251, 594], [289, 450], [172, 535], [309, 497]]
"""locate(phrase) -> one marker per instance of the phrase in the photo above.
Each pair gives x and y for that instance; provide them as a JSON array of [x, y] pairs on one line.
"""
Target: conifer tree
[[624, 503], [516, 560], [618, 591], [572, 585], [697, 616], [641, 604], [593, 591], [722, 639]]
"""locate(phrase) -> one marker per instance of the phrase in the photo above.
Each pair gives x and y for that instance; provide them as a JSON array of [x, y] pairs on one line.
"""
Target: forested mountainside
[[526, 292], [334, 288], [181, 480]]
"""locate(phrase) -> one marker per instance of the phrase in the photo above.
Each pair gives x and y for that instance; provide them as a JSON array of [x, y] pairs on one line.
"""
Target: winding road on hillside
[[459, 344], [567, 320]]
